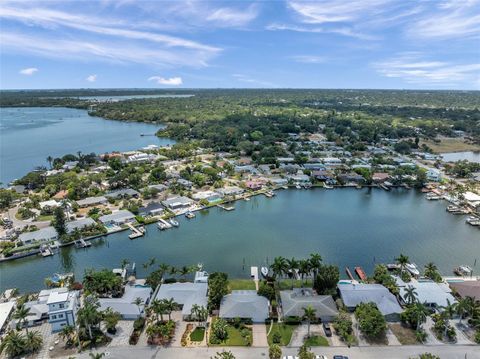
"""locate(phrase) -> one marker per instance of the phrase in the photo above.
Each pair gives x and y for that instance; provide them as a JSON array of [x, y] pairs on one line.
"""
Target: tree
[[217, 289], [67, 334], [309, 316], [21, 314], [463, 307], [223, 355], [88, 316], [59, 221], [305, 353], [410, 295], [279, 267], [50, 160], [13, 344], [219, 329], [170, 306], [327, 279], [138, 302], [33, 342], [431, 271], [304, 268], [370, 320], [315, 264], [292, 265], [274, 352], [111, 319], [344, 327], [402, 260]]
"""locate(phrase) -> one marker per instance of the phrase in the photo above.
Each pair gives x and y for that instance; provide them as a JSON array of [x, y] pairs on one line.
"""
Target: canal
[[346, 226]]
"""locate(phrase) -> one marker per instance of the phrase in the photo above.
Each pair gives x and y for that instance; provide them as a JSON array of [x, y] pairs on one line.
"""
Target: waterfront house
[[19, 188], [254, 185], [351, 177], [230, 191], [125, 305], [293, 302], [62, 309], [152, 209], [209, 196], [244, 304], [118, 218], [49, 204], [380, 177], [185, 295], [70, 165], [468, 288], [179, 202], [314, 166], [123, 193], [79, 224], [322, 175], [278, 181], [434, 175], [141, 157], [6, 310], [245, 169], [92, 201], [46, 234], [354, 294], [433, 295], [299, 178]]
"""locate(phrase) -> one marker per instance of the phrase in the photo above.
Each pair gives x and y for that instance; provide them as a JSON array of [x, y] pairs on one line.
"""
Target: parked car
[[327, 329], [340, 357]]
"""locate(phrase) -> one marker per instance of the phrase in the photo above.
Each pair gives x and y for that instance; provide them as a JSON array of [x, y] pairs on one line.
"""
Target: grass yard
[[286, 284], [450, 145], [45, 218], [406, 336], [235, 337], [285, 330], [317, 341], [197, 335], [241, 284]]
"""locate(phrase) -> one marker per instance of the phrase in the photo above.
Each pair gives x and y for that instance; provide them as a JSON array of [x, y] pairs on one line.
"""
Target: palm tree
[[138, 302], [158, 308], [304, 268], [421, 312], [448, 311], [67, 333], [170, 306], [89, 316], [97, 355], [463, 307], [163, 268], [21, 314], [410, 295], [13, 344], [111, 319], [184, 270], [194, 312], [292, 267], [279, 267], [402, 260], [315, 264], [309, 315], [49, 160], [33, 341]]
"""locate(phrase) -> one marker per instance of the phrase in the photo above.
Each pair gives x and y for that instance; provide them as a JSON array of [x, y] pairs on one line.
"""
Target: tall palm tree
[[88, 316], [304, 268], [195, 311], [448, 312], [410, 295], [315, 263], [13, 344], [33, 341], [279, 267], [292, 268], [138, 302], [170, 306], [67, 333], [49, 160], [184, 271], [21, 314], [309, 316], [402, 260], [421, 313], [463, 307]]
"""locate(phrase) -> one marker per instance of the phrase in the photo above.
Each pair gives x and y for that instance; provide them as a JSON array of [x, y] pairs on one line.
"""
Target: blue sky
[[407, 44]]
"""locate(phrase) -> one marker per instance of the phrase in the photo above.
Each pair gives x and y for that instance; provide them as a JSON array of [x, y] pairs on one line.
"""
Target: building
[[92, 201], [5, 310], [126, 304], [209, 196], [117, 218], [185, 295], [178, 202], [434, 175], [354, 294], [230, 191], [62, 309], [245, 304], [380, 177], [123, 193], [468, 288], [49, 204], [79, 224], [152, 209], [293, 302], [433, 295], [46, 234]]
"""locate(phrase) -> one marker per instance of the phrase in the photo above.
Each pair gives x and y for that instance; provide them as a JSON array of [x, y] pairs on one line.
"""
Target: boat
[[82, 244], [473, 221], [297, 186], [327, 186], [393, 266], [432, 196], [361, 273], [285, 187], [456, 209], [307, 185], [174, 222], [190, 215], [412, 268], [463, 270], [45, 251], [269, 194], [162, 224], [264, 271]]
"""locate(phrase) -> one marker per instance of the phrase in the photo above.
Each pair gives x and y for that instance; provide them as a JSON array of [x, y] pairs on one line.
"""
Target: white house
[[434, 175], [46, 234], [118, 218], [62, 309]]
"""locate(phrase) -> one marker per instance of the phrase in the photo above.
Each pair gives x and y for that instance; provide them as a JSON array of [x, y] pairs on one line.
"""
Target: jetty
[[254, 276], [225, 207], [349, 274], [82, 244], [361, 273], [163, 224], [46, 251], [136, 232]]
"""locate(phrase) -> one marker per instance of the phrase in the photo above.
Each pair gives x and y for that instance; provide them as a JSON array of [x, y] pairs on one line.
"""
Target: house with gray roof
[[92, 201], [117, 218], [185, 295], [432, 294], [46, 234], [151, 209], [123, 193], [179, 202], [79, 224], [354, 294], [125, 305], [293, 302], [245, 304]]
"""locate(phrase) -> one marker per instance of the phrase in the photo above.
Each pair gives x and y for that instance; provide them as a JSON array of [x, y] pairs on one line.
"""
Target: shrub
[[266, 291], [371, 321], [277, 338], [477, 336], [139, 323]]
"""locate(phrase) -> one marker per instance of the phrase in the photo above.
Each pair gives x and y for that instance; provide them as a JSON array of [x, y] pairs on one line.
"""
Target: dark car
[[327, 329], [340, 357]]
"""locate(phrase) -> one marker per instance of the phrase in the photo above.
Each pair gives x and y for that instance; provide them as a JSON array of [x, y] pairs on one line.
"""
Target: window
[[60, 316], [53, 317], [61, 305]]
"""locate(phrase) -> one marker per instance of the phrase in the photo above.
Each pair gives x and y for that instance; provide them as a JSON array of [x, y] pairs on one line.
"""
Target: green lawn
[[285, 284], [317, 341], [45, 218], [197, 335], [285, 330], [241, 284], [235, 338]]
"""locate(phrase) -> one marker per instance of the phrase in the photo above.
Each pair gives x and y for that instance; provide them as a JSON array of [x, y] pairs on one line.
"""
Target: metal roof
[[244, 304]]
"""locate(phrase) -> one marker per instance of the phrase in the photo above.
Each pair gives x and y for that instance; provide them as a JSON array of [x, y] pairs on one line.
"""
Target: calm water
[[347, 227], [29, 135], [130, 97], [459, 156]]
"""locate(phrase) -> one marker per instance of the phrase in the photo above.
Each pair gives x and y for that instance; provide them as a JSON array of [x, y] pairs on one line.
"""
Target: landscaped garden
[[316, 341], [223, 333], [281, 333]]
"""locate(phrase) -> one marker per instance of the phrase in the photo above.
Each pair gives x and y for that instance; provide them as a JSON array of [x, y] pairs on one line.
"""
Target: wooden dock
[[136, 233], [226, 208], [361, 273], [350, 275]]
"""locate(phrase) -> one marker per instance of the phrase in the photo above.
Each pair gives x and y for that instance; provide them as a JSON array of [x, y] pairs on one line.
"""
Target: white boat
[[463, 270], [174, 222], [190, 215], [264, 271], [432, 196], [297, 186], [473, 221], [412, 268], [326, 186], [164, 225], [246, 199]]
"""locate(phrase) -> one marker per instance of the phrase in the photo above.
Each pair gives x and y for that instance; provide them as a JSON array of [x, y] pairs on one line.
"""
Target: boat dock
[[350, 275], [254, 276], [136, 233], [82, 244], [163, 224], [226, 208], [361, 273]]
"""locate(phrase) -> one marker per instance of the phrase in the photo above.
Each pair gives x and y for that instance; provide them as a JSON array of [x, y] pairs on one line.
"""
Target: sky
[[391, 44]]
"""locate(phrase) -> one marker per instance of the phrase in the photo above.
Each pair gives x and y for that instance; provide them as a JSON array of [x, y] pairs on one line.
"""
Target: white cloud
[[250, 80], [28, 71], [233, 17], [91, 78], [309, 59], [173, 81], [345, 31], [412, 68]]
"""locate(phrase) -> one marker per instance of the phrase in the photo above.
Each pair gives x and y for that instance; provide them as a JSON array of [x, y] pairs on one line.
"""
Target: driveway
[[259, 333]]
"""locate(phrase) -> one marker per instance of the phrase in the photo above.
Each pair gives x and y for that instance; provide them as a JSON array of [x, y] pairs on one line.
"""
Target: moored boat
[[463, 270], [412, 268], [190, 215], [174, 222], [264, 271]]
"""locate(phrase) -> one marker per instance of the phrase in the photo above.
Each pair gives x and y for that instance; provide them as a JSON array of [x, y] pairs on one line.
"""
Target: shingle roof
[[244, 304], [470, 288], [186, 294], [430, 293], [40, 235], [116, 216], [293, 302], [354, 294], [79, 223]]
